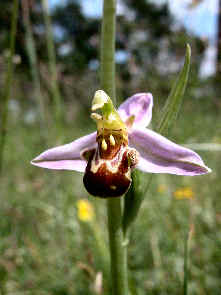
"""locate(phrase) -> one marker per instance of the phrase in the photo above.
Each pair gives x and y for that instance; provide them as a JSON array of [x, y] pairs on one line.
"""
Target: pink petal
[[140, 105], [77, 165], [160, 155], [68, 156]]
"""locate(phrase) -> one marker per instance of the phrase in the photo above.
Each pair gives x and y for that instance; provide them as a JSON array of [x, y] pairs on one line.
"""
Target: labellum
[[108, 171]]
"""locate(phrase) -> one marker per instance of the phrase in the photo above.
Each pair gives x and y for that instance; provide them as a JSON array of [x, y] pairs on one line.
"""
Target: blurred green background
[[52, 244]]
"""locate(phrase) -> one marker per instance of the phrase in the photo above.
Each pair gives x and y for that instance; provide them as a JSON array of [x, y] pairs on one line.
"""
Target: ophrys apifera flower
[[122, 142]]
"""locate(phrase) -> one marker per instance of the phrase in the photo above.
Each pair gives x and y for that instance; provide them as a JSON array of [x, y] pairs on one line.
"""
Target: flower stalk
[[118, 252], [107, 64]]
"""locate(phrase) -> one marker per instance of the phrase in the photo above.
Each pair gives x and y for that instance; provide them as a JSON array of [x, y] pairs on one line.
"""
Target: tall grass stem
[[187, 239], [8, 82], [185, 281], [32, 55]]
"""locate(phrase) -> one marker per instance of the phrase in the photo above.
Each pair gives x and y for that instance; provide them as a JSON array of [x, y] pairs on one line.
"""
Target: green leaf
[[174, 100], [132, 200], [135, 195]]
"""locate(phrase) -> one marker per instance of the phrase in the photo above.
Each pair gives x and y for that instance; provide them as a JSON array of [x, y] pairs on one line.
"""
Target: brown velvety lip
[[104, 183]]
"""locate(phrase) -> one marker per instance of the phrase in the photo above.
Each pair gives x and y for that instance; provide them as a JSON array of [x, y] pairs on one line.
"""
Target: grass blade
[[33, 62], [174, 100], [52, 68], [187, 240], [185, 267]]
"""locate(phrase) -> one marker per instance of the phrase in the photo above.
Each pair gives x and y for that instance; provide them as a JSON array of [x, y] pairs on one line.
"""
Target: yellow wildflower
[[85, 210], [184, 193]]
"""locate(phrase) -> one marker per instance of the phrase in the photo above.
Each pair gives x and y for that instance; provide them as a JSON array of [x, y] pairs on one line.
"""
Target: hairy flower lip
[[157, 154], [109, 178]]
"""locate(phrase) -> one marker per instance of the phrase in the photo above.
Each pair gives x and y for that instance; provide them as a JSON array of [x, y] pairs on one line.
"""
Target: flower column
[[118, 251]]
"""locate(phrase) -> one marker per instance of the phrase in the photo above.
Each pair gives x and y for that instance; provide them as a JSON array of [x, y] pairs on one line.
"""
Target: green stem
[[107, 70], [52, 66], [185, 268], [118, 251], [2, 288], [8, 83]]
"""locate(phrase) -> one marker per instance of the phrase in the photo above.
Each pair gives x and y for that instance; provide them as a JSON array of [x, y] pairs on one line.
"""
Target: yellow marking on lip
[[104, 145], [113, 187], [112, 140], [95, 165]]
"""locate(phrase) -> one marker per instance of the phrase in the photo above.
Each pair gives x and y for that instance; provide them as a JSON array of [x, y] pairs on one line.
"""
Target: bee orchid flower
[[122, 142]]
